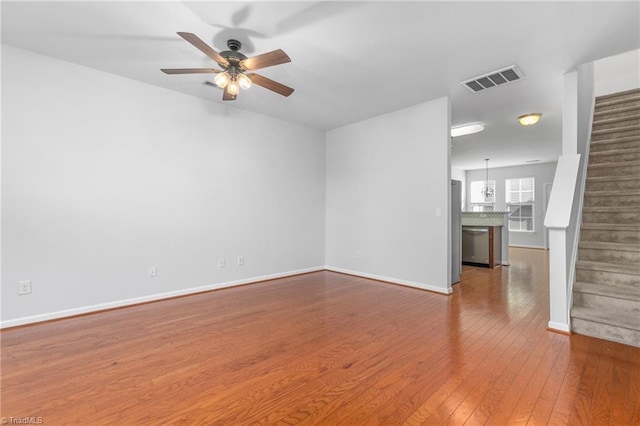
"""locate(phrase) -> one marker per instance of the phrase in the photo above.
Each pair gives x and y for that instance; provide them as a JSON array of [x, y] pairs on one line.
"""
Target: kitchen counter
[[497, 219]]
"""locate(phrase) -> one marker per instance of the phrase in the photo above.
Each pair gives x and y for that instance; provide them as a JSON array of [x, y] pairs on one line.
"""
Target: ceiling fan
[[235, 73]]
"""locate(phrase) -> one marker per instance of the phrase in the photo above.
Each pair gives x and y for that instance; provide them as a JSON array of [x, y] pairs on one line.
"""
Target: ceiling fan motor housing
[[234, 45], [233, 56]]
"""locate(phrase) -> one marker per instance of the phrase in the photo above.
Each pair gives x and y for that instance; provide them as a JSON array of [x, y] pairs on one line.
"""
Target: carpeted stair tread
[[616, 151], [628, 321], [608, 290], [613, 182], [612, 178], [612, 140], [615, 164], [606, 144], [624, 193], [613, 120], [608, 332], [614, 168], [601, 245], [608, 267], [633, 116], [616, 97], [618, 143], [609, 209], [611, 227], [630, 109], [616, 129]]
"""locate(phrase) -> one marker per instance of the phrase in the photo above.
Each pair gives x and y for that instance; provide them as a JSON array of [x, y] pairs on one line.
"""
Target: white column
[[558, 288], [570, 114]]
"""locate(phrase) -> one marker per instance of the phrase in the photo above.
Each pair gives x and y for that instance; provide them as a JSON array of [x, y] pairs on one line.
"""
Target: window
[[477, 200], [520, 198]]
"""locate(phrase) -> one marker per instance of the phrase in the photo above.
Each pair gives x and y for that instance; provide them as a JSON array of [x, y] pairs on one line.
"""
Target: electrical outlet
[[24, 287], [153, 271], [221, 262], [240, 260], [358, 254]]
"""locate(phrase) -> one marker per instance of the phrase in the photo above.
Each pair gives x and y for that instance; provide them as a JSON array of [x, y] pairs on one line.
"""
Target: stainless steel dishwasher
[[475, 244]]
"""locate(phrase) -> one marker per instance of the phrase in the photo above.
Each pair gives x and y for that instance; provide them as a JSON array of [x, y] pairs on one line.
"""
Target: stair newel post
[[559, 288], [558, 220]]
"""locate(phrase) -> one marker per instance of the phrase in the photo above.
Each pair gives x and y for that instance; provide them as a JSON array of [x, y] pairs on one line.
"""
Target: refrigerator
[[456, 230]]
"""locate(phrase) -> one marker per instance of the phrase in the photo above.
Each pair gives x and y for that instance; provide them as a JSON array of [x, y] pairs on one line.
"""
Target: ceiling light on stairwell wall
[[529, 119], [466, 129]]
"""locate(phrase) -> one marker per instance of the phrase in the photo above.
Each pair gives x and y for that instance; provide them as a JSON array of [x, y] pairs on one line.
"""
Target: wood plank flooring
[[326, 348]]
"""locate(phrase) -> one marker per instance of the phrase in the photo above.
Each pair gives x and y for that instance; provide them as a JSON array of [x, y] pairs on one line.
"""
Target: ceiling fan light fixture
[[222, 79], [233, 87], [234, 64], [529, 119], [244, 81], [466, 129]]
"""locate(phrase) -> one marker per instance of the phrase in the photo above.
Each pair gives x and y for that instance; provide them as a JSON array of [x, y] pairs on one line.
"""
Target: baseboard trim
[[526, 246], [559, 327], [84, 310], [390, 280]]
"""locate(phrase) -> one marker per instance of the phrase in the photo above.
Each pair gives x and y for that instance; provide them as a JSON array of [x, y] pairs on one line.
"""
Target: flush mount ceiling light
[[529, 119], [466, 129]]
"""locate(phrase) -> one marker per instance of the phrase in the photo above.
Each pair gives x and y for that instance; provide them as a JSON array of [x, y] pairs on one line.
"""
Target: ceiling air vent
[[493, 79]]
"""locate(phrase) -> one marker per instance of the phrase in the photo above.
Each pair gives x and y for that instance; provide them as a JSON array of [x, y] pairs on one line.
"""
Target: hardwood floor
[[326, 348]]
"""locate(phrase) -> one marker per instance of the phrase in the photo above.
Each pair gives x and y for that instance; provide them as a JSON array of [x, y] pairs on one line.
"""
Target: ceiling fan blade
[[190, 70], [268, 59], [205, 48], [267, 83], [226, 96]]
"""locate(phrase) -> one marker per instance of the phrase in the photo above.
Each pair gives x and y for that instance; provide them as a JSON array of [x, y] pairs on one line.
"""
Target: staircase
[[606, 295]]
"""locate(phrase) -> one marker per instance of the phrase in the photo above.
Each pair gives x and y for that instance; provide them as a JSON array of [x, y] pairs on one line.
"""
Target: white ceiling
[[353, 60]]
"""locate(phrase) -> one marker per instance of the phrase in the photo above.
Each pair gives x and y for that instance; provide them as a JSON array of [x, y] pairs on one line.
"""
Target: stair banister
[[557, 220]]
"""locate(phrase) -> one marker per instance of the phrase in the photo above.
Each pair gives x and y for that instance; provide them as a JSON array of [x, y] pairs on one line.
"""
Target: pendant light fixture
[[487, 191]]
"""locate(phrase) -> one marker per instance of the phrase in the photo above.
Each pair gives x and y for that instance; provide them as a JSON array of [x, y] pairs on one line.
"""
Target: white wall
[[386, 177], [543, 173], [103, 177], [617, 73]]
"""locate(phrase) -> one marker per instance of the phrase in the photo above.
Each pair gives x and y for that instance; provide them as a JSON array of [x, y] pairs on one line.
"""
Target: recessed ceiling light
[[466, 129], [529, 119]]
